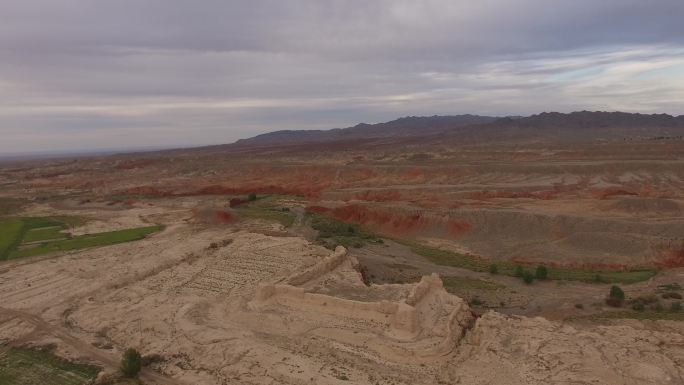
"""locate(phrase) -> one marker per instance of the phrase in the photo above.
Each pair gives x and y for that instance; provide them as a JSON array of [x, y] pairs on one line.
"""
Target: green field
[[463, 283], [10, 235], [44, 234], [266, 209], [23, 366], [26, 237], [469, 262], [332, 232]]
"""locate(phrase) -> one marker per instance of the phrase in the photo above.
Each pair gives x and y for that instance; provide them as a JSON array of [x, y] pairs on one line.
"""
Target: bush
[[527, 277], [617, 293], [672, 295], [541, 273], [131, 363], [493, 269], [518, 271], [252, 197], [476, 302], [638, 306], [676, 307], [616, 296], [598, 278]]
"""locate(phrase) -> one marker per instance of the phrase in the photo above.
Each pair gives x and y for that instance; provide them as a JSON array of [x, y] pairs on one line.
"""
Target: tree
[[493, 269], [541, 272], [616, 296], [131, 363]]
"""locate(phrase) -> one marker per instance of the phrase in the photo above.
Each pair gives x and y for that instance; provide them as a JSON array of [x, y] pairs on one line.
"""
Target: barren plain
[[350, 263]]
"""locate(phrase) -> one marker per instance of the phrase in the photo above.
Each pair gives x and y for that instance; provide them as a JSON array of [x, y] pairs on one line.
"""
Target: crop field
[[27, 237], [10, 235], [86, 241], [23, 366]]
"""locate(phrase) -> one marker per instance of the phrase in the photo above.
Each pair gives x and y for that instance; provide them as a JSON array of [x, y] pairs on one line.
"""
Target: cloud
[[182, 72]]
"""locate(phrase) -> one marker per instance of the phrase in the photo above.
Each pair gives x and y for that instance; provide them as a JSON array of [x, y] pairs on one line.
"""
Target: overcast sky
[[91, 74]]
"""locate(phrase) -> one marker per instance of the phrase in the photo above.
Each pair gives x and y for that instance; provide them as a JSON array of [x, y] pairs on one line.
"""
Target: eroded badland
[[351, 263]]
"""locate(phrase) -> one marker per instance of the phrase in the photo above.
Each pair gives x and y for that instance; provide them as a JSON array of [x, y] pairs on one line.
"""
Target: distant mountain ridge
[[403, 127], [549, 126]]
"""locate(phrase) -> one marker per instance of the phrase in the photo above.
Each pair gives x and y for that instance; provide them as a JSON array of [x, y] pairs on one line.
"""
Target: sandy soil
[[173, 294], [223, 300]]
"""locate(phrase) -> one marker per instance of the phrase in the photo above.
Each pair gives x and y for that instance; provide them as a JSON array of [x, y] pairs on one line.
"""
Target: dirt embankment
[[396, 222], [552, 239]]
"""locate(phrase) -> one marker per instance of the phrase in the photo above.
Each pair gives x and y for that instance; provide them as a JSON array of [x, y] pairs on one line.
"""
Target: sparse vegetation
[[624, 314], [476, 302], [493, 269], [527, 277], [29, 366], [131, 363], [470, 262], [266, 208], [332, 232], [519, 271], [454, 284], [541, 272]]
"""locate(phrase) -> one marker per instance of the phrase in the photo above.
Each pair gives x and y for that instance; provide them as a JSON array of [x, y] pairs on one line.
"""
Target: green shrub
[[493, 269], [476, 302], [617, 293], [598, 278], [252, 197], [518, 271], [131, 363], [527, 277], [541, 273], [616, 296], [638, 306], [676, 307]]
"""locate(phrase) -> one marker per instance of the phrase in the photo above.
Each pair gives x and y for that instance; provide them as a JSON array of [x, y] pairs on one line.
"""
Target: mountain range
[[579, 126]]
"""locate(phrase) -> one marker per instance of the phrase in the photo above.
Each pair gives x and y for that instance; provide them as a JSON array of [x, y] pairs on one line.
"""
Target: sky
[[113, 74]]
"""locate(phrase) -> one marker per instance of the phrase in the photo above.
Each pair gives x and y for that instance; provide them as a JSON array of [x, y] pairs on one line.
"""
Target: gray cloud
[[90, 74]]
